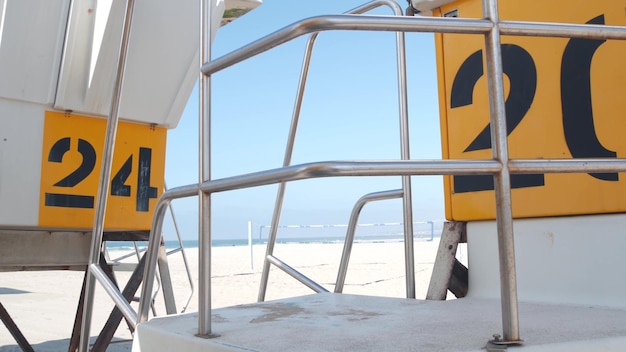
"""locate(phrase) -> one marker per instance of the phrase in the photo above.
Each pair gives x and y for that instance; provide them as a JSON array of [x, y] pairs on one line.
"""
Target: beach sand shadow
[[11, 291]]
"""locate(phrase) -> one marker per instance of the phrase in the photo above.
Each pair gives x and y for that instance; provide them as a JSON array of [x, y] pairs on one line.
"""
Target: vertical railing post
[[204, 221], [105, 176], [405, 154], [183, 254], [291, 139], [502, 180]]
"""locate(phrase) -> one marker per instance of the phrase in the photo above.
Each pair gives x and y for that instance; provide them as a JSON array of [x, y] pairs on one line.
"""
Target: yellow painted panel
[[70, 172], [565, 99]]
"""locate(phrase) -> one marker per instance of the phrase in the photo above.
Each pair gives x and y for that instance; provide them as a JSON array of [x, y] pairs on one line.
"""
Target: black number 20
[[519, 66], [118, 187]]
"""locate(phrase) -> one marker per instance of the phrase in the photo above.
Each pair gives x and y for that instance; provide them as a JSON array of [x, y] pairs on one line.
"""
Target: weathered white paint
[[336, 322], [560, 260]]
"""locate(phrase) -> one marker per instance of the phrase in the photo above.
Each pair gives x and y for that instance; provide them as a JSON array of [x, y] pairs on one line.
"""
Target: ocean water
[[375, 232], [171, 245]]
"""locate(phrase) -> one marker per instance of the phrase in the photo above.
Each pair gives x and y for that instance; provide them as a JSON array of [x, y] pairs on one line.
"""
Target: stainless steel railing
[[181, 249], [404, 152], [94, 272], [351, 231], [347, 247], [500, 166]]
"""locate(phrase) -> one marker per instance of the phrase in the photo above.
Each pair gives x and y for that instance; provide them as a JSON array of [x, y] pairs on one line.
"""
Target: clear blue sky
[[350, 112]]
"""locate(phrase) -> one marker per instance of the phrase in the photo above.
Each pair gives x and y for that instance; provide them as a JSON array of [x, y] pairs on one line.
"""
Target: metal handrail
[[300, 172], [501, 180], [500, 166], [158, 281], [280, 193], [93, 270], [296, 274], [351, 231], [411, 24], [347, 247], [376, 23], [181, 248], [359, 168], [204, 171], [405, 154]]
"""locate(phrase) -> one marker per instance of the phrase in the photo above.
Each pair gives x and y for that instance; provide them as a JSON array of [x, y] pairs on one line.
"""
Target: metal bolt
[[496, 337]]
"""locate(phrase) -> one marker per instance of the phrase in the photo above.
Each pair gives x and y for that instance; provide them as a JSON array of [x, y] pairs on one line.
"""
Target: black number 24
[[118, 183], [519, 66]]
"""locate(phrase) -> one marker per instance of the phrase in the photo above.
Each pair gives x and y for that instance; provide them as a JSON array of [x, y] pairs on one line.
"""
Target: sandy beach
[[43, 303]]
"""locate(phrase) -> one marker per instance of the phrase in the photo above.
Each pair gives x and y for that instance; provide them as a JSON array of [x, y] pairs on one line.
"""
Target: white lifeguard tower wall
[[570, 237], [57, 60], [574, 260]]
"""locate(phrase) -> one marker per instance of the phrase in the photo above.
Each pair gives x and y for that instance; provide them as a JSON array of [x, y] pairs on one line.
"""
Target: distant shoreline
[[173, 244]]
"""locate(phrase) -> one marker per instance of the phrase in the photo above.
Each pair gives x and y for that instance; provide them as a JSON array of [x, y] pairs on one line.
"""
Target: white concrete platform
[[335, 322]]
